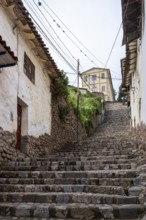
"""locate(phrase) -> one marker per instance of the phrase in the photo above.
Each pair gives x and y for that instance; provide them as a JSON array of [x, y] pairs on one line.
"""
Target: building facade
[[133, 67], [99, 80], [26, 71]]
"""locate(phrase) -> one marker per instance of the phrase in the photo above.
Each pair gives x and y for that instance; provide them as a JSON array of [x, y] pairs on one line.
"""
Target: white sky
[[94, 22]]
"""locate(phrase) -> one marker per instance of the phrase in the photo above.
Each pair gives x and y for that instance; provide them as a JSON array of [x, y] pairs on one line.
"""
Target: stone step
[[65, 198], [94, 149], [118, 190], [86, 158], [92, 152], [66, 163], [72, 211], [70, 174], [125, 182], [35, 218], [79, 158], [60, 167]]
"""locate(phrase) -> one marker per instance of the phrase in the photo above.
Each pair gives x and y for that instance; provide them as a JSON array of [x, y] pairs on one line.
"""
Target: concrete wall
[[15, 85]]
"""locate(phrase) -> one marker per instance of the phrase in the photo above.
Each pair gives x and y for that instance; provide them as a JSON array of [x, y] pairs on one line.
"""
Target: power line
[[54, 31], [113, 45], [116, 35], [84, 81], [48, 39], [73, 34], [114, 78], [59, 26], [48, 34]]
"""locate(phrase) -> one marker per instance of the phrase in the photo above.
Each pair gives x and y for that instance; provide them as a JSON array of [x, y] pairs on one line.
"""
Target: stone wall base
[[8, 146], [63, 133], [139, 136]]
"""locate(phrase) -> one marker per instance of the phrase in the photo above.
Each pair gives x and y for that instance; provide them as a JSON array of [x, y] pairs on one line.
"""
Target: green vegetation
[[60, 85], [89, 105]]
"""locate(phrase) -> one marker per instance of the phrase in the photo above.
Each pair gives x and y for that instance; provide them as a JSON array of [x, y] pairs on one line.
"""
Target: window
[[29, 68], [102, 88], [94, 89], [102, 76], [93, 78], [86, 78]]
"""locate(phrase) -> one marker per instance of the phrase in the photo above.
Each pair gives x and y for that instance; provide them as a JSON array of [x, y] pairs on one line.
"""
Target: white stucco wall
[[135, 90], [14, 83], [143, 73]]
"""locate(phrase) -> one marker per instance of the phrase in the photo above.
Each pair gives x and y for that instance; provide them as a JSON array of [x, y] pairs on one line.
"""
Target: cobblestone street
[[98, 179]]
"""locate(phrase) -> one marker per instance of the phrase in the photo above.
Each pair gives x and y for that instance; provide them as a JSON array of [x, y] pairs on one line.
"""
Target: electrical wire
[[81, 43], [47, 33], [113, 78], [117, 35], [59, 26], [48, 39], [54, 31], [73, 34], [113, 45]]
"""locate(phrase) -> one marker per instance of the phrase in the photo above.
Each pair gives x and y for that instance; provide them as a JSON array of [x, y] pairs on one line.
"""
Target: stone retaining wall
[[139, 135], [8, 146], [63, 132]]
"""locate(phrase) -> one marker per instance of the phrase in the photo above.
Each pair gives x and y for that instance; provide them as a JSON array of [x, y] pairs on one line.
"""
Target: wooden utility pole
[[78, 94]]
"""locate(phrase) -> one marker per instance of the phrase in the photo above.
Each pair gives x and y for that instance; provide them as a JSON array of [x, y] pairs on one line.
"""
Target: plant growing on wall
[[89, 105], [60, 85]]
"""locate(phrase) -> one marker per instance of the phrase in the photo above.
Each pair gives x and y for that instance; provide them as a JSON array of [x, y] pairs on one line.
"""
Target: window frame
[[86, 78], [102, 75], [29, 68], [103, 90]]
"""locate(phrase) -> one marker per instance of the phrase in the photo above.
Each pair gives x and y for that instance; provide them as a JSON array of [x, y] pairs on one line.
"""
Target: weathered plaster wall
[[135, 92], [143, 73], [64, 131], [35, 99]]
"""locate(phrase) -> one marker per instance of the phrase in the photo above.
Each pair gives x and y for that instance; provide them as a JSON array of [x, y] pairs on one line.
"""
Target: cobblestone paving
[[97, 179]]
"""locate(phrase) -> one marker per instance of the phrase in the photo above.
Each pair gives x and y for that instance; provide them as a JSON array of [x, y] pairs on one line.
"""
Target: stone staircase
[[95, 179]]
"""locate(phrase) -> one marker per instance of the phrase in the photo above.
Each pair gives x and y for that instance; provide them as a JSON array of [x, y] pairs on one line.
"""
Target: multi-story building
[[99, 80], [133, 65], [26, 73]]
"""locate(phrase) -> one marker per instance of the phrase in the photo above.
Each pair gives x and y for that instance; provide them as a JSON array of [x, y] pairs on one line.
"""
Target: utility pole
[[78, 94]]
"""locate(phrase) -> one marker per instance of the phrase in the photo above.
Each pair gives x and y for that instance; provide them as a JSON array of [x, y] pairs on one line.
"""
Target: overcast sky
[[94, 22]]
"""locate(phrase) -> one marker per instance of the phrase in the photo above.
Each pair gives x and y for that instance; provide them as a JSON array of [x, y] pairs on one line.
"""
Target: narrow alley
[[98, 179]]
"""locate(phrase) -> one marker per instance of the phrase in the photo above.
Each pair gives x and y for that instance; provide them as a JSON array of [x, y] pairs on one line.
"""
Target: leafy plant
[[60, 85], [63, 111], [89, 105]]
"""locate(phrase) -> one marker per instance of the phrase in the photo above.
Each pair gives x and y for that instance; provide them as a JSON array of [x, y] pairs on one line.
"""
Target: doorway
[[22, 126], [19, 126]]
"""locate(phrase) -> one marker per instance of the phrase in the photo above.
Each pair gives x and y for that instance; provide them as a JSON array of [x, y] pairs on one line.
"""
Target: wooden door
[[19, 122]]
